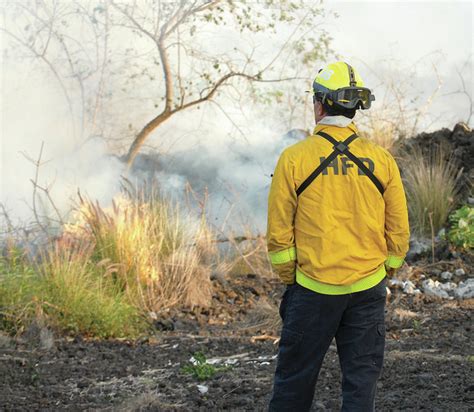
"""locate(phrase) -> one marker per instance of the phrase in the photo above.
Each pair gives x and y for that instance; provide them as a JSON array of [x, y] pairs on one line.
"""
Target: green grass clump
[[461, 233], [79, 298], [18, 286], [200, 369], [68, 293], [109, 270]]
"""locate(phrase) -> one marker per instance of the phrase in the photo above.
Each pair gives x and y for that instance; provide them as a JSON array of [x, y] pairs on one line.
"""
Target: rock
[[459, 272], [164, 324], [448, 286], [465, 290], [396, 282], [470, 200], [446, 275], [409, 290], [409, 287], [431, 288], [418, 247], [202, 389], [435, 272]]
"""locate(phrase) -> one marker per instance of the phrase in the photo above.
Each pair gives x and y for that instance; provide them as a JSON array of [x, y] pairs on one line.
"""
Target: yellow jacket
[[341, 232]]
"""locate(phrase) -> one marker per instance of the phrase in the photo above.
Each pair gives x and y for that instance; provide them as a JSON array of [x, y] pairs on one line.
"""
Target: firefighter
[[337, 224]]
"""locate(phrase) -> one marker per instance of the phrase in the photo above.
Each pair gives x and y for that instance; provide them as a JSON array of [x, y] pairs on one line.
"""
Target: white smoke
[[236, 172], [233, 159], [34, 115]]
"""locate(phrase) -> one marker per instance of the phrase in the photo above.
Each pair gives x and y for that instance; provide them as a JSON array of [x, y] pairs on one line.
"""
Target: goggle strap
[[352, 80]]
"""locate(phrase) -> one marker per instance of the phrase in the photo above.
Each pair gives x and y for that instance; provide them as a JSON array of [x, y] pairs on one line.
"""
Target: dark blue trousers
[[310, 322]]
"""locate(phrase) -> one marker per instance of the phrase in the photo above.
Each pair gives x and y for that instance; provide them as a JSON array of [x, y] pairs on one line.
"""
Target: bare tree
[[187, 51], [464, 89], [46, 31]]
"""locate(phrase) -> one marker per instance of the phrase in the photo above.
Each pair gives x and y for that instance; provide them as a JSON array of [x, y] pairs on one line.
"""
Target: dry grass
[[263, 317], [431, 185], [404, 314], [250, 257], [112, 265], [380, 132], [154, 254]]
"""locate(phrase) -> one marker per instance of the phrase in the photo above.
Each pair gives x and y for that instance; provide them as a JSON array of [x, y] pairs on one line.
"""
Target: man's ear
[[318, 108]]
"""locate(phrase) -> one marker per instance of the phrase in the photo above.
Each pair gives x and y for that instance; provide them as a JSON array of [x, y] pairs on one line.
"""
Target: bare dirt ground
[[429, 361]]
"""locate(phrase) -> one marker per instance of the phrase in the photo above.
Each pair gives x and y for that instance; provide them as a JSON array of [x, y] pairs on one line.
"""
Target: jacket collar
[[331, 124], [339, 121]]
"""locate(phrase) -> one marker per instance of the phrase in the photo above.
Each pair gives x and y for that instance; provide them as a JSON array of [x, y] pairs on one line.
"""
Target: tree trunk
[[143, 135]]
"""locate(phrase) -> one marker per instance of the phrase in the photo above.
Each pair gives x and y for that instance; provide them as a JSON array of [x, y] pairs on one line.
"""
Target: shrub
[[80, 297], [157, 256], [380, 132], [67, 292], [111, 270], [431, 185], [18, 288], [462, 227]]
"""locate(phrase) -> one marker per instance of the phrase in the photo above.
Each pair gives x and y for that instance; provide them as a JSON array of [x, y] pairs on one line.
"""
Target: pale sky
[[423, 42], [406, 29]]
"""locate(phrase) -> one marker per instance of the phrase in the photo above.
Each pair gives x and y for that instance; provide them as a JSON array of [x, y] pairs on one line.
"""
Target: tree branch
[[50, 65]]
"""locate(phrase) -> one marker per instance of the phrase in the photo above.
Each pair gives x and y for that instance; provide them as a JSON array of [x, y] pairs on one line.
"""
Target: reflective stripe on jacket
[[341, 232]]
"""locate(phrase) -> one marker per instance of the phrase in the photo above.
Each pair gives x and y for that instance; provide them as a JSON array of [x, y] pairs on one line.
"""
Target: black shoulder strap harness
[[339, 148]]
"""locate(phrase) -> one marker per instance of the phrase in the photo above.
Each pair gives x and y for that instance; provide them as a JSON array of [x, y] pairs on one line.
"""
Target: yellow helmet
[[340, 85]]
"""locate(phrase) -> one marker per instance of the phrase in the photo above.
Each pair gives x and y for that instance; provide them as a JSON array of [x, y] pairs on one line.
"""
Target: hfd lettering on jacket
[[345, 164]]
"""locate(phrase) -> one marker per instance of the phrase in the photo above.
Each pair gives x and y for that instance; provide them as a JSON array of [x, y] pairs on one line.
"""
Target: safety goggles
[[349, 97]]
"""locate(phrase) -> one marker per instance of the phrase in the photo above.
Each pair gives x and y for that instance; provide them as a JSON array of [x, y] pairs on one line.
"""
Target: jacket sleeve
[[280, 225], [397, 230]]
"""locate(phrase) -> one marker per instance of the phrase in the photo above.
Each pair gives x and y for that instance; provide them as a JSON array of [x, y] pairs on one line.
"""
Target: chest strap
[[339, 148]]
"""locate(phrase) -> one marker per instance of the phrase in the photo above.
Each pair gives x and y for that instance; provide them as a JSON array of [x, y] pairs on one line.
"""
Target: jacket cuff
[[394, 262], [283, 256]]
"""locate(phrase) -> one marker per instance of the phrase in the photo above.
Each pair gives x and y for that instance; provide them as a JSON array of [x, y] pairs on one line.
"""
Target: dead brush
[[152, 247], [380, 131], [249, 255], [223, 250], [263, 317]]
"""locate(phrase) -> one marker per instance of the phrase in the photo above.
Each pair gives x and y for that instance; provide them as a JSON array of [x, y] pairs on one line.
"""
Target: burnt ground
[[429, 360]]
